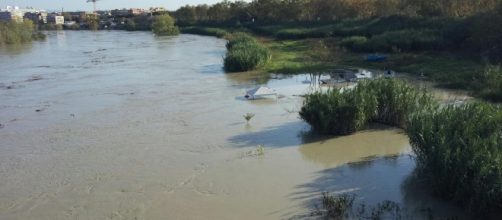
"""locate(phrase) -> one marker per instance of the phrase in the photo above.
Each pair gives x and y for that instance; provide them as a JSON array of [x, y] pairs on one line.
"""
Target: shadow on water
[[286, 135], [211, 69], [373, 181]]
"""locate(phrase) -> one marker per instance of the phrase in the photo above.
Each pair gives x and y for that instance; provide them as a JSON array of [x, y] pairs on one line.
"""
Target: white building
[[55, 19], [15, 13]]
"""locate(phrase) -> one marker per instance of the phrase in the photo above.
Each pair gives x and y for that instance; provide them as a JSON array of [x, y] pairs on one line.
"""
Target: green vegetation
[[458, 148], [138, 23], [337, 207], [208, 31], [342, 206], [490, 84], [15, 33], [386, 101], [248, 116], [244, 53], [92, 21], [163, 25], [50, 27], [449, 43], [459, 153]]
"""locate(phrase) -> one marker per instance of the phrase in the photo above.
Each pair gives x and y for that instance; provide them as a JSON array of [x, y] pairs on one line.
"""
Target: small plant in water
[[337, 207], [260, 151], [248, 116]]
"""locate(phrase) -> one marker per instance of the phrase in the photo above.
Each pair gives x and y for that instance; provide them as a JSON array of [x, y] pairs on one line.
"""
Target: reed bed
[[387, 101], [459, 153], [244, 53]]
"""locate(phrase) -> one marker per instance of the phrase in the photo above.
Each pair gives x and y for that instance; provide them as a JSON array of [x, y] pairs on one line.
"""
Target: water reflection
[[373, 181], [15, 49]]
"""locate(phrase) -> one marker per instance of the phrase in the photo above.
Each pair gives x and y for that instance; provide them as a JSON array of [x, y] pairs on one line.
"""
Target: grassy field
[[448, 69]]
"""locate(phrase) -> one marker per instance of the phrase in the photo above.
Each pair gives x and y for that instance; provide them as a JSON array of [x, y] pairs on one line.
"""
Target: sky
[[82, 5]]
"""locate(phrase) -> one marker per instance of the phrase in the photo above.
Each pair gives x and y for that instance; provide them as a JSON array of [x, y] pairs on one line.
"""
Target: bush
[[130, 25], [394, 41], [386, 101], [208, 31], [244, 53], [51, 27], [395, 100], [15, 33], [302, 33], [459, 153], [333, 112], [163, 25], [355, 43], [490, 83]]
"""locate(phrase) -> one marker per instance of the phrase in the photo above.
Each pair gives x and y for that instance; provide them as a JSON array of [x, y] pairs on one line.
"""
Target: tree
[[163, 25], [186, 15], [92, 21], [130, 24]]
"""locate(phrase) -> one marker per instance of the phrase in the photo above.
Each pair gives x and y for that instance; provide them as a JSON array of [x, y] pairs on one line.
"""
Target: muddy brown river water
[[124, 125]]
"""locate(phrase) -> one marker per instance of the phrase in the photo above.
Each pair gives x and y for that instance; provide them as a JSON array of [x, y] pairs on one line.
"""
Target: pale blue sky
[[102, 4]]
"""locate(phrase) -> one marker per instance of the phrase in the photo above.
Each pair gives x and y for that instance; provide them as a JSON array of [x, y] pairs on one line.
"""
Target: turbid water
[[124, 125]]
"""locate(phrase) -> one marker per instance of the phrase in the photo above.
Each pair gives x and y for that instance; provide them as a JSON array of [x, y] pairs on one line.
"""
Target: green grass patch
[[298, 56]]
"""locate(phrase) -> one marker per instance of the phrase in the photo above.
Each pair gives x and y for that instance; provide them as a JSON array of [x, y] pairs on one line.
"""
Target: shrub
[[51, 27], [403, 40], [459, 153], [163, 25], [395, 100], [244, 53], [302, 33], [130, 25], [355, 43], [490, 83], [15, 33], [333, 112], [209, 31], [386, 101]]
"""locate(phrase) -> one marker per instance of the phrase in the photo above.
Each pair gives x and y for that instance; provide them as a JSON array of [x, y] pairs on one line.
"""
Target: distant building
[[157, 9], [120, 13], [104, 13], [55, 19], [36, 17], [136, 11], [11, 16], [16, 14]]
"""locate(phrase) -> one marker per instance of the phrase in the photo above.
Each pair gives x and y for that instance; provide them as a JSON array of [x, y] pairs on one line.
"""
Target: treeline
[[470, 26], [287, 11], [18, 32]]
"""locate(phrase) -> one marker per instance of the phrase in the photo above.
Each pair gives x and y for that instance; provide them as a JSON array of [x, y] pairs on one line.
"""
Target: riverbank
[[446, 69]]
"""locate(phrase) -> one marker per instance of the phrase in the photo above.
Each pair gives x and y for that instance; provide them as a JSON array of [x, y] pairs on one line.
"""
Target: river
[[125, 125]]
